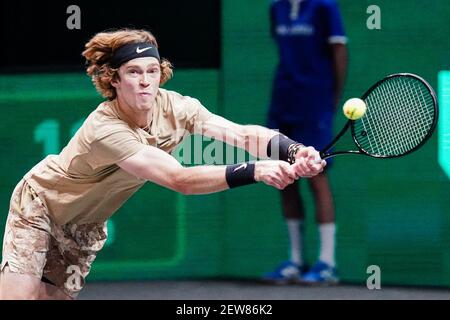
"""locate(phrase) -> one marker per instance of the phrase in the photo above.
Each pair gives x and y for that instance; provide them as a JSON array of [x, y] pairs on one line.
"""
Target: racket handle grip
[[325, 156], [319, 159]]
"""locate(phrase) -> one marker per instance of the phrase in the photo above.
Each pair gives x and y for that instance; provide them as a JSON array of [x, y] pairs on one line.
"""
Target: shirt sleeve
[[335, 26], [196, 113], [190, 113], [113, 148]]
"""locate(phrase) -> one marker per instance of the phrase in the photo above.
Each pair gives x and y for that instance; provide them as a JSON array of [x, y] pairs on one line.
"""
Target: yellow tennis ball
[[354, 108]]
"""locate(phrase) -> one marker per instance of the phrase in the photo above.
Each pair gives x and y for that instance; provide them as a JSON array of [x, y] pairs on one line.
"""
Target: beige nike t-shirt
[[83, 184]]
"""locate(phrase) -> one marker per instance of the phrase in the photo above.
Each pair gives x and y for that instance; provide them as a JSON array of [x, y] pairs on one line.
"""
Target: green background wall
[[391, 213]]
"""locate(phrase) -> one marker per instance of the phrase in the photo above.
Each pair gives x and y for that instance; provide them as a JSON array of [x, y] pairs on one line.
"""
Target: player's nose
[[144, 81]]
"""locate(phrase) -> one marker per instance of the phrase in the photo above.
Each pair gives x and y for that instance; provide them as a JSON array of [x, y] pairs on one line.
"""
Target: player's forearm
[[340, 62], [157, 166], [200, 180], [265, 143], [255, 140], [252, 138]]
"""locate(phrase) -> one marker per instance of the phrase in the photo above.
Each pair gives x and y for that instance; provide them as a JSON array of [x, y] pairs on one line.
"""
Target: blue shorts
[[311, 132], [304, 114]]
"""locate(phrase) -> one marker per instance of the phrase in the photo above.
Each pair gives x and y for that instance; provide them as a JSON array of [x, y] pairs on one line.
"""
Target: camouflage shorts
[[34, 245]]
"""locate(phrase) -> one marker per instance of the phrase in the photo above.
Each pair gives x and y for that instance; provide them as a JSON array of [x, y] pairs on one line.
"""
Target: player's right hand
[[308, 163], [274, 173]]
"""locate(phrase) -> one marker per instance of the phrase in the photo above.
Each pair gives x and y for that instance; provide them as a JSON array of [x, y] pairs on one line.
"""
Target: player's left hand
[[308, 163]]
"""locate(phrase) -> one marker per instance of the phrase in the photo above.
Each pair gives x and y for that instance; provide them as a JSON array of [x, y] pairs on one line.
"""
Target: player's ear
[[115, 80]]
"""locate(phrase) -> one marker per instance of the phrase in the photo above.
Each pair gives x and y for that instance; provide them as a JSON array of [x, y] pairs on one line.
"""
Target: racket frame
[[351, 123]]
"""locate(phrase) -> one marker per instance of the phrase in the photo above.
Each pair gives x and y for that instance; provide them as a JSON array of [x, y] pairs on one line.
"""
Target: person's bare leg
[[17, 286], [323, 198], [292, 202], [50, 292]]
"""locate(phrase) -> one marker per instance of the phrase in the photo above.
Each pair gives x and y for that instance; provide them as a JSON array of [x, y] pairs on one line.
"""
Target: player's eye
[[133, 71]]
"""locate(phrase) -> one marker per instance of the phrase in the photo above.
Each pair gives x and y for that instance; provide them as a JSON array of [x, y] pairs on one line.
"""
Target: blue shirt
[[303, 35]]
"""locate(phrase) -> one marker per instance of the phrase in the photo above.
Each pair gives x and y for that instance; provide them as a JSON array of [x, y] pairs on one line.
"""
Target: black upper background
[[34, 36]]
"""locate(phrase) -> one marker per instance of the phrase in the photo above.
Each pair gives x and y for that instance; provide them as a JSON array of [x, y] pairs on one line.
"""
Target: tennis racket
[[401, 115]]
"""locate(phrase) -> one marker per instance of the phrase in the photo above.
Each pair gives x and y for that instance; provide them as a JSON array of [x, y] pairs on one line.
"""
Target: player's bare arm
[[256, 139], [155, 165]]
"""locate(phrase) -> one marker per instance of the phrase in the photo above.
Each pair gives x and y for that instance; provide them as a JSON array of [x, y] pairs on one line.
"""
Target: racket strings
[[379, 126], [395, 136], [400, 114], [401, 134]]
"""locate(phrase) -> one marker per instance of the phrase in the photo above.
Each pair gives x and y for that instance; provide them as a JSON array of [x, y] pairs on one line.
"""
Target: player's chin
[[144, 105]]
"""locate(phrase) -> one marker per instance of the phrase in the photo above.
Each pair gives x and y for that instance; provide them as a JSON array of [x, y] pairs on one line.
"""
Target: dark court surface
[[251, 290]]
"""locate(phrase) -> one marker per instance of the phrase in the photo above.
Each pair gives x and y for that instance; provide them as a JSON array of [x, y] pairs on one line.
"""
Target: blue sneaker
[[321, 273], [285, 273]]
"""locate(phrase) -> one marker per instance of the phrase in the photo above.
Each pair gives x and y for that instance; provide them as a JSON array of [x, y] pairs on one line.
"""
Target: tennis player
[[57, 218]]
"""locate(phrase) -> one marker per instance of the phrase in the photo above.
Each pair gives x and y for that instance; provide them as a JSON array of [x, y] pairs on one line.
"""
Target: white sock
[[327, 238], [295, 240]]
